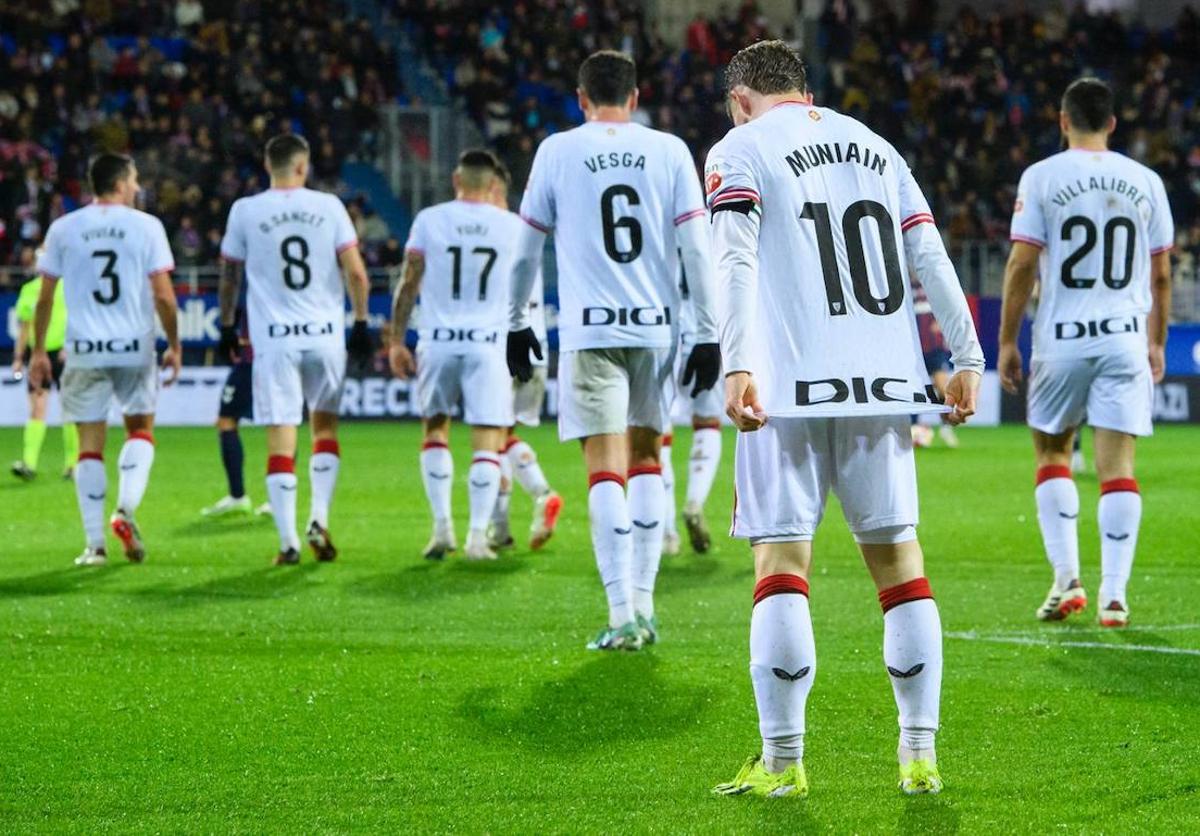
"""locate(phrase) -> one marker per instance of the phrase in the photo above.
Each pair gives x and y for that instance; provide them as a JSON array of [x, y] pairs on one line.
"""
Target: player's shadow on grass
[[928, 814], [213, 528], [612, 698], [431, 579], [687, 571], [257, 585], [59, 581]]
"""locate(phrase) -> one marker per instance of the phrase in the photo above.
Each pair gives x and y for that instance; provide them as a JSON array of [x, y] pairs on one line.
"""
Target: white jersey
[[105, 254], [812, 265], [613, 192], [469, 247], [1098, 217], [290, 240]]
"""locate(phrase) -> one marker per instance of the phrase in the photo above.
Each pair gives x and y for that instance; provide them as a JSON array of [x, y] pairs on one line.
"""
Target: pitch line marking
[[1142, 648], [1139, 628]]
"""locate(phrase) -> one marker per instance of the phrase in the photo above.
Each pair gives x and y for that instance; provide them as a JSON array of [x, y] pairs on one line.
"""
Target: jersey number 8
[[296, 272]]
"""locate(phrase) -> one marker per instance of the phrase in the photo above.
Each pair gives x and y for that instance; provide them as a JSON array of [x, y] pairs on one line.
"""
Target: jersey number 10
[[860, 280]]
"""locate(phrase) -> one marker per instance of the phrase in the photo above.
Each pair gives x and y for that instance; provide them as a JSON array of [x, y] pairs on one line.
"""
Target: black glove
[[520, 344], [360, 343], [703, 365], [229, 346]]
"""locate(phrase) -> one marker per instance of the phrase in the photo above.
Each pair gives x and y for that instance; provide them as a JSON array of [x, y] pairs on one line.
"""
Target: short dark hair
[[1088, 103], [503, 173], [282, 149], [476, 167], [767, 67], [608, 77], [107, 170]]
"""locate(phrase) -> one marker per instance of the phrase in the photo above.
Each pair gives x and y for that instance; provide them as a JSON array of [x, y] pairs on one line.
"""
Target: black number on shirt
[[108, 272], [296, 272], [611, 224], [456, 279], [860, 280], [1074, 222]]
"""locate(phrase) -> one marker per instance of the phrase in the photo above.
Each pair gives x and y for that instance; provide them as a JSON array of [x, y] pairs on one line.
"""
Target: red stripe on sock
[[1115, 485], [512, 442], [605, 476], [280, 464], [327, 445], [780, 585], [646, 470], [1053, 471], [914, 590], [667, 439], [485, 460], [83, 457], [706, 423], [141, 435], [435, 445]]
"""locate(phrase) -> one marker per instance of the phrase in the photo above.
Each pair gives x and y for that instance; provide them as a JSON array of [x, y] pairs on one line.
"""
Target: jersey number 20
[[1089, 241]]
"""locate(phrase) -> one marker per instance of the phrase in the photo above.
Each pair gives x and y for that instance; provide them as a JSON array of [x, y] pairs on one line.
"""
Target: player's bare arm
[[167, 309], [1020, 276], [358, 286], [1160, 312], [229, 287], [39, 363], [412, 271]]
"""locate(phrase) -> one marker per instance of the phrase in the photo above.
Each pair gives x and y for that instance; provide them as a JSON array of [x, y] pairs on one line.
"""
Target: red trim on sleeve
[[166, 269], [687, 216], [435, 445], [780, 585], [1024, 239], [646, 470], [914, 220], [141, 435], [605, 476], [348, 245], [915, 590], [538, 226], [231, 259], [327, 445], [734, 194], [416, 250], [1117, 485], [280, 464], [1166, 249], [1053, 471], [83, 457]]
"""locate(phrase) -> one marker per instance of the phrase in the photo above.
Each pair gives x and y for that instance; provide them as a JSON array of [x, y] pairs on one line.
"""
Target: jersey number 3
[[108, 273]]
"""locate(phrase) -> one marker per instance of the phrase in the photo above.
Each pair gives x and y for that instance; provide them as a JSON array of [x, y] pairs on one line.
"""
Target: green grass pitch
[[207, 691]]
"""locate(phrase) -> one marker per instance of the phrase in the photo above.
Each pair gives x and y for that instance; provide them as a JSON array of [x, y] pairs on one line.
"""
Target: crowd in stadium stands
[[192, 90]]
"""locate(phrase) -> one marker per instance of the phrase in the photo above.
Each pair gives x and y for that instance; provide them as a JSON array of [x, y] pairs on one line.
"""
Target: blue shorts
[[237, 401], [937, 360]]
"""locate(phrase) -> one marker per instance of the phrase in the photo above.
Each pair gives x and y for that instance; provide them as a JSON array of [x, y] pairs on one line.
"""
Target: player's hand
[[172, 363], [401, 360], [1158, 362], [1009, 366], [40, 370], [229, 348], [520, 345], [360, 344], [741, 402], [703, 365], [961, 393], [18, 367]]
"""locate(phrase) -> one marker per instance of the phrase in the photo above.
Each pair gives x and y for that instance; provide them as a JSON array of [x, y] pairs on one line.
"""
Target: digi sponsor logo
[[465, 335], [278, 330], [1096, 328], [113, 346], [647, 316], [879, 390]]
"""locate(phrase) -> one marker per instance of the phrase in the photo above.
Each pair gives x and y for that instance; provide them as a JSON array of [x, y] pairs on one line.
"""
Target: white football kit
[[468, 247], [711, 402], [105, 254], [816, 220], [1098, 217], [624, 202], [290, 240]]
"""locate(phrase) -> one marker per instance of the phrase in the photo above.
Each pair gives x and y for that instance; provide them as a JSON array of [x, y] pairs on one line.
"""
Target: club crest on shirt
[[1019, 206], [713, 181], [814, 115]]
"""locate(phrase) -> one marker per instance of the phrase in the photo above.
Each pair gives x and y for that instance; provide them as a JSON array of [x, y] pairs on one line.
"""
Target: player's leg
[[323, 467], [136, 390], [547, 505], [86, 394], [499, 530], [279, 405], [670, 530], [778, 509], [1057, 401], [646, 497], [702, 468], [877, 484], [70, 432], [1078, 459], [438, 389], [236, 405], [483, 487], [33, 435]]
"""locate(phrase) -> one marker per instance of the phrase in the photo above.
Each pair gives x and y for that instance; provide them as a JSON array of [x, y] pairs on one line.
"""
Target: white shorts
[[284, 381], [480, 380], [88, 393], [708, 404], [528, 398], [783, 472], [609, 390], [1113, 392]]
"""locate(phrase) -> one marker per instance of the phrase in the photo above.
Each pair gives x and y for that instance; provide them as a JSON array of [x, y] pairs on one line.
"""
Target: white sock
[[912, 652], [483, 485], [322, 475], [613, 544], [91, 484], [281, 492], [437, 472], [668, 477], [504, 497], [783, 664], [137, 456], [1058, 513], [645, 502], [1120, 515], [526, 469], [702, 468]]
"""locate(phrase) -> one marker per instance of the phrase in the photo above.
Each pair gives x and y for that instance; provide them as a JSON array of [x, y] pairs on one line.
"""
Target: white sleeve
[[530, 243], [1162, 227], [159, 257], [417, 235], [927, 257], [695, 249], [537, 204], [1028, 221], [49, 262], [233, 245], [344, 236]]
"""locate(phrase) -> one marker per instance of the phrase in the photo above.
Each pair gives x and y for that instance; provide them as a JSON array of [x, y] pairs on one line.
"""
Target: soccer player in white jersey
[[518, 460], [1096, 227], [816, 221], [465, 248], [294, 245], [624, 202], [116, 266], [705, 409]]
